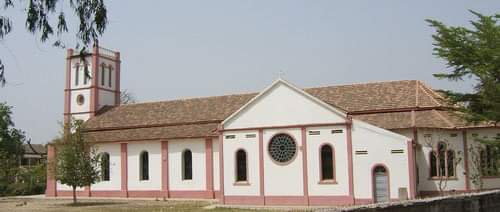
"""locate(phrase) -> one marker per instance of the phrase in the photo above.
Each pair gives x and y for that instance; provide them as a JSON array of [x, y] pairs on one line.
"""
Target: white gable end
[[282, 104]]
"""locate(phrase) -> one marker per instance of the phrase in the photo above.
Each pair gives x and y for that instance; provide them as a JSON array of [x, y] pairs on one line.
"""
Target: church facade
[[334, 145]]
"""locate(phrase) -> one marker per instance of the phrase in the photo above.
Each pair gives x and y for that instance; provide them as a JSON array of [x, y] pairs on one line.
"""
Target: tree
[[473, 53], [91, 15], [76, 163], [127, 97], [11, 150]]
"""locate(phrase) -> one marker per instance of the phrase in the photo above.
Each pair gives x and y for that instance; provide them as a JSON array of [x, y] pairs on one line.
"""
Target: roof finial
[[280, 74]]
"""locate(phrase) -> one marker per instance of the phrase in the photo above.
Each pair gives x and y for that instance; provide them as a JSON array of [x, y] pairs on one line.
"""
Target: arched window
[[86, 73], [327, 166], [433, 160], [187, 165], [77, 73], [109, 75], [241, 166], [450, 161], [489, 161], [442, 161], [105, 166], [144, 166], [103, 73]]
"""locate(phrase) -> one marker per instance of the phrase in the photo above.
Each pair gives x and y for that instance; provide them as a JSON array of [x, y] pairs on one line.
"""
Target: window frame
[[437, 153], [236, 170], [183, 165], [292, 159], [103, 73], [110, 78], [105, 175], [143, 176], [486, 159], [77, 74], [322, 180]]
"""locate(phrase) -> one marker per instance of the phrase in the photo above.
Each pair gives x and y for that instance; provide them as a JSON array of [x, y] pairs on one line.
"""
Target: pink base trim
[[290, 200], [363, 201], [66, 193], [116, 193], [330, 200], [244, 200], [286, 200], [192, 194], [143, 194], [147, 194]]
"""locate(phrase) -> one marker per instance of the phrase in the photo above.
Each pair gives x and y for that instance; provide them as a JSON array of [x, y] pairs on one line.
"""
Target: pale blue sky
[[187, 49]]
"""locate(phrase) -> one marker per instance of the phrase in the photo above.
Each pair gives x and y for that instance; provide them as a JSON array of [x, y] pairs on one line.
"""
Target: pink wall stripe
[[466, 161], [261, 165], [117, 78], [67, 91], [411, 167], [305, 171], [164, 168], [50, 190], [209, 165], [349, 156], [124, 165], [221, 164], [94, 92]]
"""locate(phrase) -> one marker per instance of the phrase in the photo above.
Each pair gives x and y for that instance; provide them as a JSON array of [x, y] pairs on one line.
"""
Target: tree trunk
[[74, 194]]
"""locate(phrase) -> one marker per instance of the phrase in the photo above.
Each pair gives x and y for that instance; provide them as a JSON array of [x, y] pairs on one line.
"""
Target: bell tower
[[92, 82]]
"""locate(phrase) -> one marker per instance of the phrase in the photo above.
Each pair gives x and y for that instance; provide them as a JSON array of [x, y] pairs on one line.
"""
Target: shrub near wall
[[480, 202], [29, 181]]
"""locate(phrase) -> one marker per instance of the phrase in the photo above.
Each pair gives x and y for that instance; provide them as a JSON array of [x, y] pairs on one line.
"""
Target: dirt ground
[[12, 204]]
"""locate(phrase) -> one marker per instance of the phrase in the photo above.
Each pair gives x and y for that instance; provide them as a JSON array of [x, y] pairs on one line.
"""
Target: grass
[[12, 204]]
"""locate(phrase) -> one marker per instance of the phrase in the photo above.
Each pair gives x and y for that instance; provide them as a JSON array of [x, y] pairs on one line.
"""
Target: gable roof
[[292, 87], [384, 104]]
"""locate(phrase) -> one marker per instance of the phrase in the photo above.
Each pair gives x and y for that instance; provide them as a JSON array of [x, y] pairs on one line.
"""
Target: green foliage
[[473, 53], [76, 164], [11, 150], [29, 181], [91, 14]]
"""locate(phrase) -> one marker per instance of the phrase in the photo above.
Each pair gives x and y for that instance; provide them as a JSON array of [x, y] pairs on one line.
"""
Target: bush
[[29, 181]]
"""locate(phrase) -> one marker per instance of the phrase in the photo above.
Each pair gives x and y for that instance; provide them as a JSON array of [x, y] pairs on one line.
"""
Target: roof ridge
[[255, 93], [360, 83], [188, 98], [444, 118], [424, 89]]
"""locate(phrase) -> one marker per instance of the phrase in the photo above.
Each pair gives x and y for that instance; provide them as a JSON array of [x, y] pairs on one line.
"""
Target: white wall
[[106, 98], [175, 149], [85, 107], [379, 143], [283, 180], [339, 143], [154, 150], [114, 151], [282, 106], [454, 139], [251, 146]]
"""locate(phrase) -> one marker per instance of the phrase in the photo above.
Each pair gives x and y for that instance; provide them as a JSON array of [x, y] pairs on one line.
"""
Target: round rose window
[[282, 148]]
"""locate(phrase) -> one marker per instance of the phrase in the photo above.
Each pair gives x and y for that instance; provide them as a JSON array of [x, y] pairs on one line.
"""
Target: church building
[[285, 145]]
